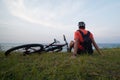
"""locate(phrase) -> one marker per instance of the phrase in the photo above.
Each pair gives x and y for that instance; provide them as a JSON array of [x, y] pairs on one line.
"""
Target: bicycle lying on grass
[[38, 48]]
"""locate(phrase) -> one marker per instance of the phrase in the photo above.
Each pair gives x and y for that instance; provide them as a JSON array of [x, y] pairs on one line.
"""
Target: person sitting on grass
[[83, 40]]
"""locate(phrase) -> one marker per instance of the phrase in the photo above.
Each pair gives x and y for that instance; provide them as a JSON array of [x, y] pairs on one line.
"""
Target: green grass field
[[60, 66]]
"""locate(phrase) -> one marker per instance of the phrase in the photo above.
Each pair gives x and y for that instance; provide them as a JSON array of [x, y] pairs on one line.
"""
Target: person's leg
[[80, 52], [71, 45]]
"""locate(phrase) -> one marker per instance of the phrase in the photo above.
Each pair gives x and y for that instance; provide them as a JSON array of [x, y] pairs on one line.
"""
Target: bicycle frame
[[56, 47]]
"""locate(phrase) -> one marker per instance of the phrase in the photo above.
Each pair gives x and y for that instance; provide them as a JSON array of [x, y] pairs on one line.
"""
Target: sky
[[40, 21]]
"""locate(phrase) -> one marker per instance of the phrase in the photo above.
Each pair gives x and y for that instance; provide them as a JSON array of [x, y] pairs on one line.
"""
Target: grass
[[60, 66]]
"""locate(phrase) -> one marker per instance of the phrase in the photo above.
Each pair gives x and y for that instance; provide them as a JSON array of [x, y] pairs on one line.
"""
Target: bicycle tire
[[25, 46]]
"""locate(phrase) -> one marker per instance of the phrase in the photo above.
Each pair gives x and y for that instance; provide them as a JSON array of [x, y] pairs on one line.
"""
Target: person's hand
[[73, 56], [101, 53]]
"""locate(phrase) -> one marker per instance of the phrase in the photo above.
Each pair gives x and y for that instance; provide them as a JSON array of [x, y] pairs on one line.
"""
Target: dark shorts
[[84, 52]]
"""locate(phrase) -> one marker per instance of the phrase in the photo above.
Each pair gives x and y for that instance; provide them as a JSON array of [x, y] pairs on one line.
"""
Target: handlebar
[[66, 41], [56, 41]]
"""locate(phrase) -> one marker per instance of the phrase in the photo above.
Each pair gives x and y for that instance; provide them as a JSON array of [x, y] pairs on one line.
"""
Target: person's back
[[80, 46], [81, 35], [85, 41]]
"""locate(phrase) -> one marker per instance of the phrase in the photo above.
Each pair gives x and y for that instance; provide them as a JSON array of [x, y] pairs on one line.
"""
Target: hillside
[[60, 66]]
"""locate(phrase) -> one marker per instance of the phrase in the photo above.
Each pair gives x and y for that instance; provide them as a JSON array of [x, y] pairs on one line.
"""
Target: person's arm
[[96, 46], [75, 47]]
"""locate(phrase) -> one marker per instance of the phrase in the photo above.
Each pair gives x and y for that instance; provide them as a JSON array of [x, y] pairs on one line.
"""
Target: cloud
[[18, 9], [46, 13]]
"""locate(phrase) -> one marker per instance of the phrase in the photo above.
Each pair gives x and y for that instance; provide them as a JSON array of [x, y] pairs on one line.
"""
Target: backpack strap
[[88, 33]]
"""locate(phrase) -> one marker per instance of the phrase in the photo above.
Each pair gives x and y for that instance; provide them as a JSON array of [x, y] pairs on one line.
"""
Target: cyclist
[[78, 39]]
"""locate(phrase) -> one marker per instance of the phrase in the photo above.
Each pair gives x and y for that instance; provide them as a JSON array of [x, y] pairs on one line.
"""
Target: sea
[[6, 46]]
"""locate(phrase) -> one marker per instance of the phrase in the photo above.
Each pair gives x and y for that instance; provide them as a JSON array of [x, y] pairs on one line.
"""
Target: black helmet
[[81, 24]]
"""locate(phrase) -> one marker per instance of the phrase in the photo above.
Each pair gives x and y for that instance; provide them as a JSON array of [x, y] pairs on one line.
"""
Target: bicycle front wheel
[[26, 49]]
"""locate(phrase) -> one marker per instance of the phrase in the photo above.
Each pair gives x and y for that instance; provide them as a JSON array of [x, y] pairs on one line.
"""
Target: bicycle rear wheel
[[26, 49]]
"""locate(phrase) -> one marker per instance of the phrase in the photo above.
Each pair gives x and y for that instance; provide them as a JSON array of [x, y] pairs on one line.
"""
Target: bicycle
[[39, 48]]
